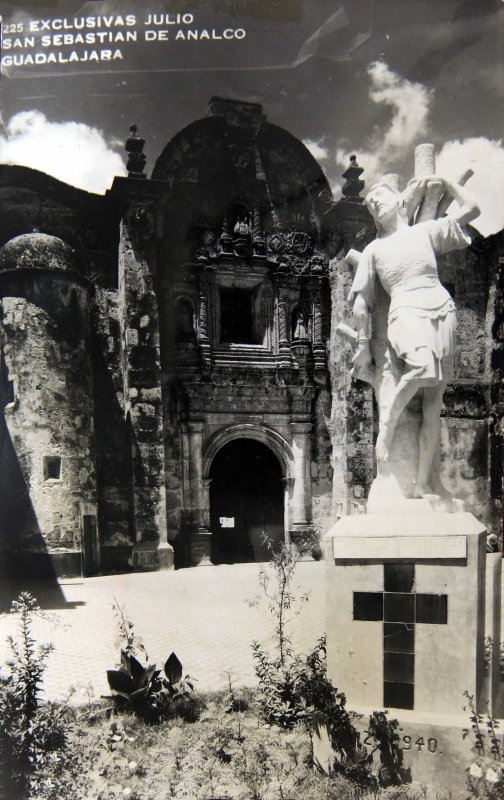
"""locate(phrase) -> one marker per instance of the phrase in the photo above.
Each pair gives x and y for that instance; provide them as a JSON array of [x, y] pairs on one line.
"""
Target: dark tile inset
[[368, 606], [399, 577], [399, 667], [432, 608], [398, 637], [399, 608], [398, 695]]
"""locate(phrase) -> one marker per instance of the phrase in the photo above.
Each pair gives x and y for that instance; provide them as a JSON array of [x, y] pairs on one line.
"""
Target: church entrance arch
[[246, 502]]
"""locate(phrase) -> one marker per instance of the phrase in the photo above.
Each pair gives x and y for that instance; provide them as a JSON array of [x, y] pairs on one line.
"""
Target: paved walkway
[[202, 614]]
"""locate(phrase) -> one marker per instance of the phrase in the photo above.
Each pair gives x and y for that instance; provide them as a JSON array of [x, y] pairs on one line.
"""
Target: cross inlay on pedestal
[[400, 609]]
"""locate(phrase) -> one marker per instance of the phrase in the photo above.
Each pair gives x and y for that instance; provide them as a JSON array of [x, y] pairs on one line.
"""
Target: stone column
[[205, 502], [203, 337], [283, 328], [283, 338], [318, 347], [200, 535], [288, 484], [195, 432], [301, 495]]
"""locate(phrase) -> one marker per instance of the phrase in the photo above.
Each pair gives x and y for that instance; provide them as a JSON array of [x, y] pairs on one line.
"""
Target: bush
[[33, 735], [278, 672], [391, 771]]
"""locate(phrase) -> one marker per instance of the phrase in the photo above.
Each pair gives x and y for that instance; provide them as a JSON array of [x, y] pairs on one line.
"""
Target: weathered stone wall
[[45, 339], [352, 421], [113, 441], [470, 446], [140, 359], [320, 464]]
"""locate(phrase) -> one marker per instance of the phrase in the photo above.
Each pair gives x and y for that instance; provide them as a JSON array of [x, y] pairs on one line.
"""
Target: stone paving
[[202, 614]]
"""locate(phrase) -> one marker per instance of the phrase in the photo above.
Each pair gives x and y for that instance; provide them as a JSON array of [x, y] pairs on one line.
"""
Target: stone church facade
[[172, 387]]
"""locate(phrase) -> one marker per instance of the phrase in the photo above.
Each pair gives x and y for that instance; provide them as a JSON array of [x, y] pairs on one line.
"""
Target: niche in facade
[[184, 322], [299, 324]]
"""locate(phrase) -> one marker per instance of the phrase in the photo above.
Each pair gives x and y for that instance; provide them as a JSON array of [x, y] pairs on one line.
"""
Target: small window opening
[[6, 384], [237, 321], [52, 468]]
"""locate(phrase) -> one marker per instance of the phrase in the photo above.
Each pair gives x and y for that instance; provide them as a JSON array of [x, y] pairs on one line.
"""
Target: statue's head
[[385, 204]]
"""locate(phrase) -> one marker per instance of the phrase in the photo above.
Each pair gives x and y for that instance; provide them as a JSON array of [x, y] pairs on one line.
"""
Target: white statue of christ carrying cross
[[421, 318]]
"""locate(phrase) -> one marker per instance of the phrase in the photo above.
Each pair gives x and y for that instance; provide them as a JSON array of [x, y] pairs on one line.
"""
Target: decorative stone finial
[[136, 158], [353, 186]]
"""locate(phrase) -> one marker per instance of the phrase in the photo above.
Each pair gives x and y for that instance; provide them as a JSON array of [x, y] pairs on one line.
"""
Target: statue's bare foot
[[384, 442], [441, 490], [422, 490]]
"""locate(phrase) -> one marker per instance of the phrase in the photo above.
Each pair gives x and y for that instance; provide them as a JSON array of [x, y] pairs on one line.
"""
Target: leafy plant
[[130, 642], [383, 730], [280, 699], [148, 693], [254, 768], [33, 735], [276, 584], [488, 653], [278, 672], [485, 776], [319, 695], [143, 689], [235, 703]]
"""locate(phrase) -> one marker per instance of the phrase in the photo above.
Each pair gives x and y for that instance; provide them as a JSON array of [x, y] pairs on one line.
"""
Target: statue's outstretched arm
[[468, 208], [362, 362]]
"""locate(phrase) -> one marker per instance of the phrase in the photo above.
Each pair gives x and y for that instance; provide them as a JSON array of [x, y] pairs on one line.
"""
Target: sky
[[370, 77]]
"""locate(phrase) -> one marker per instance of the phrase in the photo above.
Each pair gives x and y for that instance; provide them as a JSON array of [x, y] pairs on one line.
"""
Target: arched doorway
[[246, 502]]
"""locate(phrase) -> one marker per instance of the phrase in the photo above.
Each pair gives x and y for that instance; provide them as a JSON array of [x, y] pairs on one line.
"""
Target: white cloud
[[317, 149], [486, 158], [70, 151], [410, 103]]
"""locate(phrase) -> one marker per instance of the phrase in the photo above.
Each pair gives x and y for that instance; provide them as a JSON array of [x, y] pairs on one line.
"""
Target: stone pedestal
[[200, 547], [435, 751], [407, 615], [149, 556], [406, 609]]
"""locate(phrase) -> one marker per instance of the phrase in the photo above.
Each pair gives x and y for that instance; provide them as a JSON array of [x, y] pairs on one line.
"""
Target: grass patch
[[225, 754]]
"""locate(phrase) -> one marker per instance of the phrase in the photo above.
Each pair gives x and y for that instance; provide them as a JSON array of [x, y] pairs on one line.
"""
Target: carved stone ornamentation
[[282, 321], [299, 243], [277, 242], [203, 314], [317, 321], [319, 264]]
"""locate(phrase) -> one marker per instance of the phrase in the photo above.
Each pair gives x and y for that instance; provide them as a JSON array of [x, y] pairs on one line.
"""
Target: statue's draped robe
[[421, 319]]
